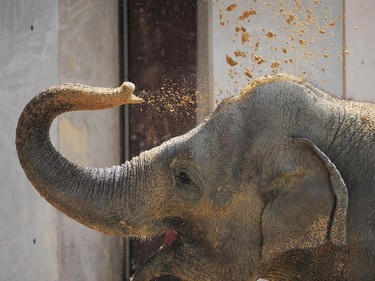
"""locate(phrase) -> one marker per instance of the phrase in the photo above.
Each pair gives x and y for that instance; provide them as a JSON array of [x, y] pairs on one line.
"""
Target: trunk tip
[[126, 90]]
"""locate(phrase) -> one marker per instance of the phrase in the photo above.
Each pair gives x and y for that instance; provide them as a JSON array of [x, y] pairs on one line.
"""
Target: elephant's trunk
[[92, 196]]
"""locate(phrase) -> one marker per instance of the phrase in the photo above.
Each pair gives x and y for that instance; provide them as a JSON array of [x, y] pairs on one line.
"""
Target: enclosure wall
[[45, 42]]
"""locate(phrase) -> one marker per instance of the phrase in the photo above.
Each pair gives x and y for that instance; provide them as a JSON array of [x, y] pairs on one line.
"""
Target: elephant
[[276, 183]]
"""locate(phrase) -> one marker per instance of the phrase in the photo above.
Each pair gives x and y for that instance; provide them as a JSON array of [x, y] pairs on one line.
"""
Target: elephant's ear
[[306, 202]]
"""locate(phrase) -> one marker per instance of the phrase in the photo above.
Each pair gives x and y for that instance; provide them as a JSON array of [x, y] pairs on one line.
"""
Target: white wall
[[355, 81], [360, 39], [317, 23], [28, 63], [45, 42], [88, 54]]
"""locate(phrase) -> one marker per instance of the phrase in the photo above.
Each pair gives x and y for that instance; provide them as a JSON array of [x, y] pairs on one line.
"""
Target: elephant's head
[[232, 196]]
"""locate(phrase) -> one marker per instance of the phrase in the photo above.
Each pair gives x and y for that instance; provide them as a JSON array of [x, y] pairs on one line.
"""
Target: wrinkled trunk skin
[[95, 197]]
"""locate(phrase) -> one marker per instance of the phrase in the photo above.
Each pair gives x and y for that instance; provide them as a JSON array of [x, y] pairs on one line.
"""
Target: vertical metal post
[[124, 111]]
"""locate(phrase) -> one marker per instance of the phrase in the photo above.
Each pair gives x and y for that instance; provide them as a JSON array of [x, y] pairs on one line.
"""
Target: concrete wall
[[88, 54], [28, 63], [360, 40], [303, 38], [45, 42]]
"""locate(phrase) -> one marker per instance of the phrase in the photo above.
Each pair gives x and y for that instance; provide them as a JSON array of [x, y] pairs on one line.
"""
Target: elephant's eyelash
[[188, 185], [184, 177]]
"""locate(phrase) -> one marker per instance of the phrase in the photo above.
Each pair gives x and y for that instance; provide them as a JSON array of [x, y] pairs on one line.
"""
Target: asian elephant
[[277, 183]]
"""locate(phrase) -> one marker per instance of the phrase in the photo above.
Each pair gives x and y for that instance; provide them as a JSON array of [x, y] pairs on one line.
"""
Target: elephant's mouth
[[181, 253], [170, 236], [176, 229]]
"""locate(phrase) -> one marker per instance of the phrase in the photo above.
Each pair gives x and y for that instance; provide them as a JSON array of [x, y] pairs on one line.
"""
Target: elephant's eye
[[183, 178], [188, 187]]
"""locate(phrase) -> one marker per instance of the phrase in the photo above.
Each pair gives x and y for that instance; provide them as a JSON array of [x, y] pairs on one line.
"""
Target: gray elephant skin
[[277, 183]]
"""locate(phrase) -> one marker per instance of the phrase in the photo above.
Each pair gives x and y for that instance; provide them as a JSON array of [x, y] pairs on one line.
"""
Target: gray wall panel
[[28, 52], [45, 42]]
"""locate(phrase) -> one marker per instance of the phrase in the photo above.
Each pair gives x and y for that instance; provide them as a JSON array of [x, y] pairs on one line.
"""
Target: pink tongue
[[170, 237]]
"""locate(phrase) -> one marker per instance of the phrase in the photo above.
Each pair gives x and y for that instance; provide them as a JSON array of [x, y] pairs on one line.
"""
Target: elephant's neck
[[347, 137], [346, 134], [322, 263]]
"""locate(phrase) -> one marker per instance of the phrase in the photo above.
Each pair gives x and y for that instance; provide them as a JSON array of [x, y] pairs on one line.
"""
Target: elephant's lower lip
[[169, 237]]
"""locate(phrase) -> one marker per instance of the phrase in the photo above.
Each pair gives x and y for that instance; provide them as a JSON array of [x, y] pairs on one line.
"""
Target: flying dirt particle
[[309, 13], [291, 18], [275, 64], [247, 14], [170, 107], [258, 59], [357, 27], [248, 72], [231, 61], [245, 37], [270, 34], [325, 55], [231, 7], [341, 58], [322, 31], [297, 4], [302, 42], [240, 29], [240, 54], [291, 61], [332, 23], [285, 50], [222, 23], [310, 16], [257, 45], [346, 52]]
